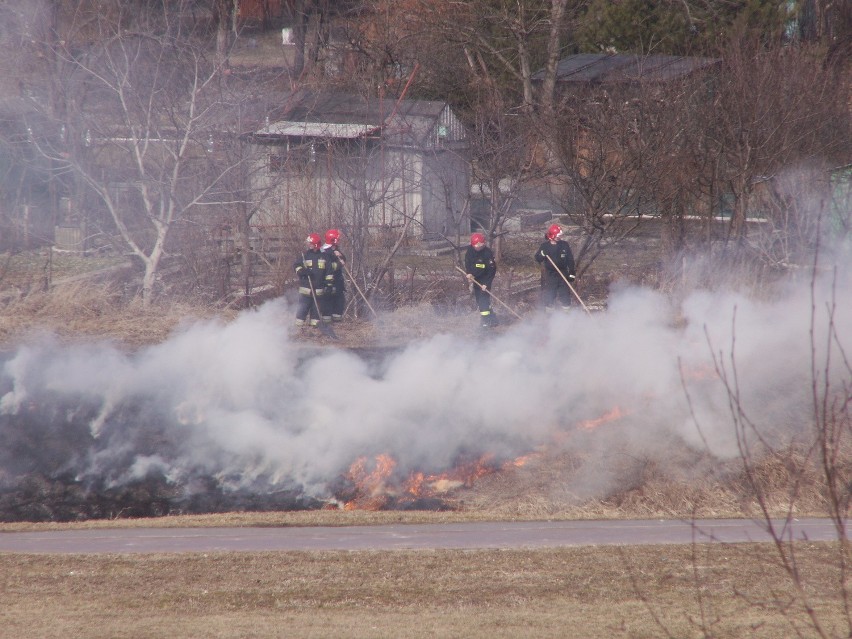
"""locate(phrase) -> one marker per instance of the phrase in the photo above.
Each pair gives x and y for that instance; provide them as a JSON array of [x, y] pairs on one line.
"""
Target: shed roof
[[604, 68], [348, 116], [317, 130]]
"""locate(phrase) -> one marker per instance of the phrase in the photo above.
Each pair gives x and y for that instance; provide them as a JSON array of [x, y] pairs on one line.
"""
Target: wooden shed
[[348, 160]]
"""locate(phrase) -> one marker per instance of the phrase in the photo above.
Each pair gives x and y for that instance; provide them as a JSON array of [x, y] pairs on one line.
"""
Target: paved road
[[472, 535]]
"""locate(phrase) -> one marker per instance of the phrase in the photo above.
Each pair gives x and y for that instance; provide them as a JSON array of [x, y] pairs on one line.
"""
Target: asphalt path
[[472, 535]]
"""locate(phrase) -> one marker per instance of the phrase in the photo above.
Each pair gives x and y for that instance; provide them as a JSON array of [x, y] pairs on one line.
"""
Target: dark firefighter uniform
[[335, 302], [314, 278], [480, 263], [553, 285]]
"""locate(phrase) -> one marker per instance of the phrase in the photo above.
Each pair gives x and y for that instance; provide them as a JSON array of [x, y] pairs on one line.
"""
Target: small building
[[351, 161], [32, 192], [600, 69], [604, 97]]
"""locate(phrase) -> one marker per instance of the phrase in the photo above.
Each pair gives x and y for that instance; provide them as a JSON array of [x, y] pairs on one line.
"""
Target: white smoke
[[242, 402]]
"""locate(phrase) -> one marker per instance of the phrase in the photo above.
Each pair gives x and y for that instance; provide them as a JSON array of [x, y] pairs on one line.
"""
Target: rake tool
[[565, 279], [358, 288], [494, 297]]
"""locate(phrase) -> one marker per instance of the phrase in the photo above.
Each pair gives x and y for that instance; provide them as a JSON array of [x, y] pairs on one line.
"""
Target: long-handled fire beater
[[565, 279], [488, 290], [358, 288]]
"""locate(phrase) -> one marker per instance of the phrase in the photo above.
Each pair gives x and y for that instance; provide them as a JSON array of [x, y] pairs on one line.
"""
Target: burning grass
[[540, 485], [714, 590], [618, 479], [369, 484], [545, 487]]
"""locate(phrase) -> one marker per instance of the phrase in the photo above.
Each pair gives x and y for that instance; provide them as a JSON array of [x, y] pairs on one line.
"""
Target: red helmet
[[314, 240], [477, 238], [332, 236], [553, 232]]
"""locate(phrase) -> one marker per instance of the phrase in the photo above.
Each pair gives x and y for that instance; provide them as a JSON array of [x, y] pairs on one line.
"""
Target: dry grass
[[37, 269], [718, 591], [713, 590], [79, 310], [542, 489]]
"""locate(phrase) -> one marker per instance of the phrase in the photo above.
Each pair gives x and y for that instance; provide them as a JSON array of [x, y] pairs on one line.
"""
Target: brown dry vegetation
[[78, 297], [703, 591], [76, 307]]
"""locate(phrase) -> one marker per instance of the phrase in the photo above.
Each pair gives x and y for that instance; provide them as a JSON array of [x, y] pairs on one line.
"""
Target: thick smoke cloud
[[245, 403]]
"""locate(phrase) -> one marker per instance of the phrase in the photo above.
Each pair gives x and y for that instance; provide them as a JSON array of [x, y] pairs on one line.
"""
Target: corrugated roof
[[346, 116], [602, 68], [317, 130]]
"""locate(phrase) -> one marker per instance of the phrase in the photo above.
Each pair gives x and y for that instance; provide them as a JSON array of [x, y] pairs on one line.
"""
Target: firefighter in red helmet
[[480, 269], [335, 303], [557, 264], [312, 269]]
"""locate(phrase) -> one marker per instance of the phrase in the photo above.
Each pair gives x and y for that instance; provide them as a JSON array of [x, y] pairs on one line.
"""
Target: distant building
[[348, 160], [601, 69], [605, 96]]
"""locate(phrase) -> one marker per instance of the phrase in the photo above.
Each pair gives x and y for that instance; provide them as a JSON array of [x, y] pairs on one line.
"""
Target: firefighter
[[556, 271], [336, 301], [480, 269], [312, 268]]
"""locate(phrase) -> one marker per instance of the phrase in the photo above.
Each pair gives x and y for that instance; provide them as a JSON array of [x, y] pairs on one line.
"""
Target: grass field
[[668, 591], [704, 590]]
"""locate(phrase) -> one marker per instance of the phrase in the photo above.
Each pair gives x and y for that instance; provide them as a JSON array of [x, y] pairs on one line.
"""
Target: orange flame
[[371, 485], [520, 462], [374, 487], [611, 415]]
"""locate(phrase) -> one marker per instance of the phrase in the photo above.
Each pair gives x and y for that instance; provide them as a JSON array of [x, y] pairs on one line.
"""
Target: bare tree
[[224, 16], [309, 20], [505, 43], [773, 108], [604, 143], [791, 224], [810, 455], [485, 55], [31, 186], [503, 164], [143, 108]]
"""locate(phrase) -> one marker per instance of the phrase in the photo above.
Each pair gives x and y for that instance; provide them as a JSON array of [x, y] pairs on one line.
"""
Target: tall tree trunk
[[554, 52], [737, 229], [245, 257], [547, 98], [300, 29], [152, 264], [225, 11]]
